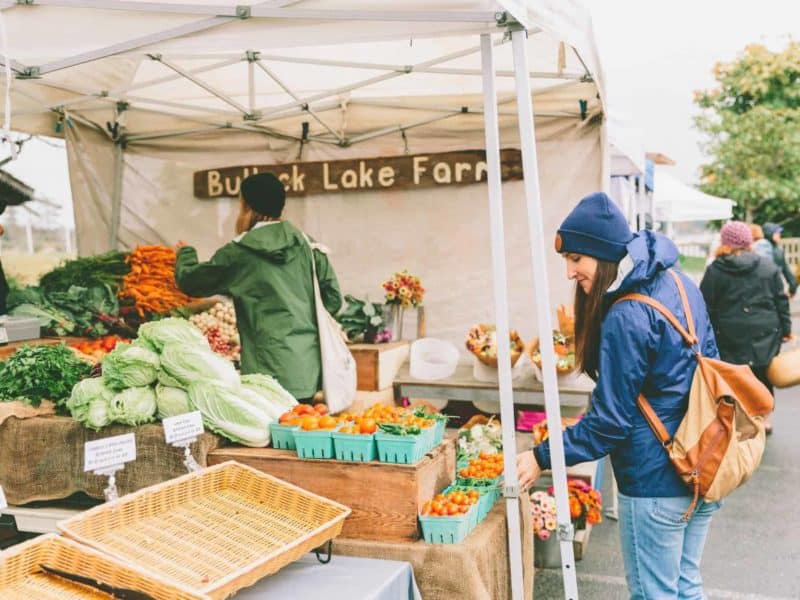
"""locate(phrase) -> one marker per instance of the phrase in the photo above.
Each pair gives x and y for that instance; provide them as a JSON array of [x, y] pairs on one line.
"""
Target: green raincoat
[[267, 272]]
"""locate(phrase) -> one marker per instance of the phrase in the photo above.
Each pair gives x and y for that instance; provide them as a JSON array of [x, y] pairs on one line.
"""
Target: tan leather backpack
[[721, 439]]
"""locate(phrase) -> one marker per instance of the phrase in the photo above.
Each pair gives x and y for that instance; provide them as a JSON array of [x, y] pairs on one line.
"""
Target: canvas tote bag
[[338, 364], [721, 439]]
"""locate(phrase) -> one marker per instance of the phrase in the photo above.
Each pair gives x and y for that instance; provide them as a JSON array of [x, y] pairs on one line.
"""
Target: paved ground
[[753, 549]]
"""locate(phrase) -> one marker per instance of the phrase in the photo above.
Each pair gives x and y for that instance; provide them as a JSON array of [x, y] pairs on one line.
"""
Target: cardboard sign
[[3, 502], [358, 175], [182, 428], [109, 452]]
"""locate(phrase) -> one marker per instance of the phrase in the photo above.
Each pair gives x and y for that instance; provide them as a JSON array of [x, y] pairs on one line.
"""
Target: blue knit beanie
[[597, 228]]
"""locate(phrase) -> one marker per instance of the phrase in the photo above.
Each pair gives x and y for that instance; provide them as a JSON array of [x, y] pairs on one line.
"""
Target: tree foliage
[[751, 124]]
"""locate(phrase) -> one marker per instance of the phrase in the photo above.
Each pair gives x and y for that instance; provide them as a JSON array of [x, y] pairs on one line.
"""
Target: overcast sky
[[654, 54]]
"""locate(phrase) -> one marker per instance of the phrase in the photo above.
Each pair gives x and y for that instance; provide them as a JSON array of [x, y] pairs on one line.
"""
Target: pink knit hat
[[736, 235]]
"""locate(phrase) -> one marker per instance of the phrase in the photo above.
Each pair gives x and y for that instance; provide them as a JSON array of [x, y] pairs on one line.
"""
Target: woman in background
[[747, 303]]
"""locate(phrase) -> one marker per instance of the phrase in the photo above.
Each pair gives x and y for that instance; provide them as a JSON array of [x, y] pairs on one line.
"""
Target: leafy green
[[102, 270], [129, 366], [361, 319], [226, 413], [84, 393], [134, 406], [171, 401], [185, 364], [36, 373], [172, 331], [269, 388]]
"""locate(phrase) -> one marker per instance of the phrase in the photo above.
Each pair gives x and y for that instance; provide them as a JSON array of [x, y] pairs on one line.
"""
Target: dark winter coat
[[779, 257], [640, 352], [748, 308], [267, 272]]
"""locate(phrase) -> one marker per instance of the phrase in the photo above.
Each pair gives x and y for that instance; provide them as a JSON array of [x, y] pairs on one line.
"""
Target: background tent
[[677, 202]]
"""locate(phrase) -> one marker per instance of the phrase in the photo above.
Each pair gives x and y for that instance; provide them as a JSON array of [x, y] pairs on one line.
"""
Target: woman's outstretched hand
[[528, 470]]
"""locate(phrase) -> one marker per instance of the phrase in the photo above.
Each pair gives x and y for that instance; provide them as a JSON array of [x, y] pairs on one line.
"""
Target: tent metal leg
[[492, 132], [536, 233], [116, 197]]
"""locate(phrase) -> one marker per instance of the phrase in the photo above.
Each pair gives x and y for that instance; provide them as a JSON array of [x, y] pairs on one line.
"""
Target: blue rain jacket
[[640, 351]]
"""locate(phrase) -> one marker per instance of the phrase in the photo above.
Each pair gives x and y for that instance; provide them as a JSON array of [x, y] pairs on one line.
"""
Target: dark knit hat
[[597, 228], [264, 193]]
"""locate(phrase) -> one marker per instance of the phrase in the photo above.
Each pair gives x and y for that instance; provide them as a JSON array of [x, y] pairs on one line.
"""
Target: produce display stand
[[475, 569], [43, 458], [463, 387], [385, 498]]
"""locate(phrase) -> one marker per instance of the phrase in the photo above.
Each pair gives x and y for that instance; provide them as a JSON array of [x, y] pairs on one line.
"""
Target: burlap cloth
[[41, 458], [25, 411], [475, 569]]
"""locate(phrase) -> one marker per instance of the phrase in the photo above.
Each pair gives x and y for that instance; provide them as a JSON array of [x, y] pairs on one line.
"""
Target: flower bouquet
[[543, 510], [404, 289], [585, 503]]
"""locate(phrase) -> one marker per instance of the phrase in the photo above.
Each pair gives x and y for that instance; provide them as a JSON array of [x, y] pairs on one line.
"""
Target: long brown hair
[[589, 317], [248, 217]]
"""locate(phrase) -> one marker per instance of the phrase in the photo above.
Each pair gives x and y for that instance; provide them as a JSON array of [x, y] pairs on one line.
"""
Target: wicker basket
[[21, 578], [211, 532]]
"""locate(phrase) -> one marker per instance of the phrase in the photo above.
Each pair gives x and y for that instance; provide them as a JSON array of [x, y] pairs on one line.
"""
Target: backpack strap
[[690, 337]]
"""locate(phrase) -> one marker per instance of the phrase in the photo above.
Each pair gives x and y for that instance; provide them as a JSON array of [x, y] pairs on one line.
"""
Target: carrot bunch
[[151, 281]]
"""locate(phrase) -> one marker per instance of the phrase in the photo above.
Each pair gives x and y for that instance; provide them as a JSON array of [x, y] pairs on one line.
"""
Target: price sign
[[3, 503], [182, 428], [109, 452]]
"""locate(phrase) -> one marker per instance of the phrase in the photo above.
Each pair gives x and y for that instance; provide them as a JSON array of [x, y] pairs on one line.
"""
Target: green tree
[[751, 125]]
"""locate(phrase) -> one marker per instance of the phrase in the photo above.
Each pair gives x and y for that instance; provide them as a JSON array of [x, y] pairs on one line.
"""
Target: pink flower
[[543, 534]]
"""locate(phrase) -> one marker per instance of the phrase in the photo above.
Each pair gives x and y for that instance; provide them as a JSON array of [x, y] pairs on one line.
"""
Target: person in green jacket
[[267, 271]]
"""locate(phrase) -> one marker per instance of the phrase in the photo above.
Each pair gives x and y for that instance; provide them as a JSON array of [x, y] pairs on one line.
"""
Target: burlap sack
[[475, 569], [41, 458], [21, 410]]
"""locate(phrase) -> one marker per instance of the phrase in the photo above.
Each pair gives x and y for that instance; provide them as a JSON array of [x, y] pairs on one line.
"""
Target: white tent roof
[[675, 201], [182, 67], [626, 147]]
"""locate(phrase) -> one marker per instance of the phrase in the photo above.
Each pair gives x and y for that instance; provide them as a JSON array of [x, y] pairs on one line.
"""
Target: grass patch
[[693, 264]]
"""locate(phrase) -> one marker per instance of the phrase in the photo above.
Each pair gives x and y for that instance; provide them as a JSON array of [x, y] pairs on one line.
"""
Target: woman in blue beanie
[[630, 348]]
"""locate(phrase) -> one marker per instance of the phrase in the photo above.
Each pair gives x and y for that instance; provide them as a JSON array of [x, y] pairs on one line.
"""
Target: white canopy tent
[[677, 202], [146, 93]]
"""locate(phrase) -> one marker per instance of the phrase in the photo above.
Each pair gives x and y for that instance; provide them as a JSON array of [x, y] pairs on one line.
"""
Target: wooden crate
[[385, 498], [378, 364]]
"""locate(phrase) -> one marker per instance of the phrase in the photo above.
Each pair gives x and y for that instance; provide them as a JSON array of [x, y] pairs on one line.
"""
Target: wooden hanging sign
[[463, 167]]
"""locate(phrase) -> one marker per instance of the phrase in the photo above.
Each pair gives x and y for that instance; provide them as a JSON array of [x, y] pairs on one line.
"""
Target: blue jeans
[[661, 551]]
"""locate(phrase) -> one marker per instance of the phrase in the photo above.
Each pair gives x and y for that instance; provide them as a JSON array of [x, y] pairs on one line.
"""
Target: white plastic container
[[433, 359], [18, 329]]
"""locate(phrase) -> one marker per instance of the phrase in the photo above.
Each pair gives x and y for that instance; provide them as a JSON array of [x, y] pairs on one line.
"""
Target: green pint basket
[[354, 447], [401, 449], [314, 444], [283, 436]]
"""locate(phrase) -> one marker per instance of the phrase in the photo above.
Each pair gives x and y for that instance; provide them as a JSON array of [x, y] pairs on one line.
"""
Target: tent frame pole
[[116, 196], [500, 284], [533, 201]]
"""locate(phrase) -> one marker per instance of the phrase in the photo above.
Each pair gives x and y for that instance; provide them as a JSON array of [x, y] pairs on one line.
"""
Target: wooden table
[[11, 347], [462, 386]]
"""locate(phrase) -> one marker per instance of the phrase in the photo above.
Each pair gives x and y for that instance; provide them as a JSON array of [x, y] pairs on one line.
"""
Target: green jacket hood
[[279, 242]]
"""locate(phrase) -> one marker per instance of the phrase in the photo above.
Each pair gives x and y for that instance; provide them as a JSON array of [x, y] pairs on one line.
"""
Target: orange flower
[[593, 516], [575, 507]]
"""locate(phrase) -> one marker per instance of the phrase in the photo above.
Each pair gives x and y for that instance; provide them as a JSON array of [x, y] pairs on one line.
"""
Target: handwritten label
[[3, 502], [109, 452], [183, 427]]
